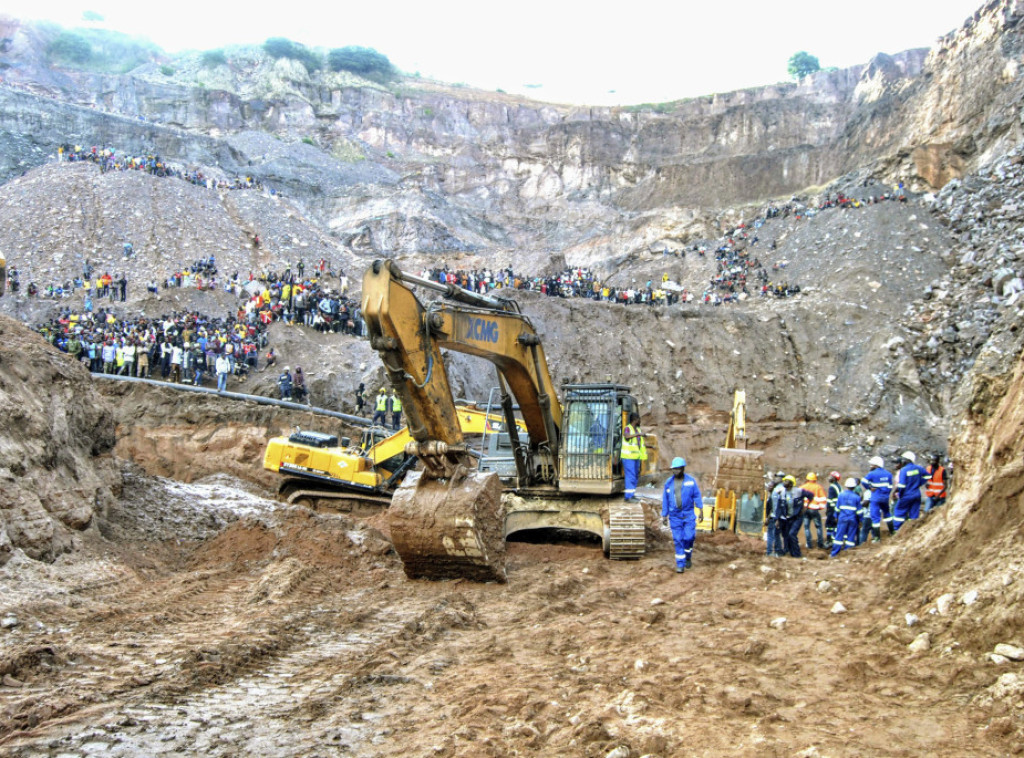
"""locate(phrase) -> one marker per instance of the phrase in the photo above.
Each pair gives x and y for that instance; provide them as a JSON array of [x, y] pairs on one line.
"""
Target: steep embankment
[[56, 466]]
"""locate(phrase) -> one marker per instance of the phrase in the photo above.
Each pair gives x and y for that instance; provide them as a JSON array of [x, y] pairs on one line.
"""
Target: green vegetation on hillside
[[98, 50], [279, 47], [213, 58], [363, 61], [802, 64]]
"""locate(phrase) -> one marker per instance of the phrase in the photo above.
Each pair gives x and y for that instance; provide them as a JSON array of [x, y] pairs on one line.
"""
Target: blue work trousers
[[880, 513], [631, 471], [774, 538], [812, 516], [684, 531], [790, 528], [906, 509], [846, 533]]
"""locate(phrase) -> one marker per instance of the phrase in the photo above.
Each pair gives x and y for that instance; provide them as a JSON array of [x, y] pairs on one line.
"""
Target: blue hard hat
[[678, 462]]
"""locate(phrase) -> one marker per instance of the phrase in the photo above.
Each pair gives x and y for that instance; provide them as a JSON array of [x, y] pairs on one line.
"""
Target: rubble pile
[[978, 306]]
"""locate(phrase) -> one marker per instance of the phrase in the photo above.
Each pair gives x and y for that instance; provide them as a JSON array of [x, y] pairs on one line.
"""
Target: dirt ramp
[[449, 530]]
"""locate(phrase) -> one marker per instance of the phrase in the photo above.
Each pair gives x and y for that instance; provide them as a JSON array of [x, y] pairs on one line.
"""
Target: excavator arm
[[448, 521], [410, 336]]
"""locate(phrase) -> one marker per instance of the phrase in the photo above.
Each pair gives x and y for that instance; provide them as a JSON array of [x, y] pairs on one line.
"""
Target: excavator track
[[326, 499], [625, 533]]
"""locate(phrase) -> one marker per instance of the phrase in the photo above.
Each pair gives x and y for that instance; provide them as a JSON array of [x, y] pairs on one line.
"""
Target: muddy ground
[[206, 619]]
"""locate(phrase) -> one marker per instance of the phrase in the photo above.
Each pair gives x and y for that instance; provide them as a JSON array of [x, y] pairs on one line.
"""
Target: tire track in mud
[[210, 706]]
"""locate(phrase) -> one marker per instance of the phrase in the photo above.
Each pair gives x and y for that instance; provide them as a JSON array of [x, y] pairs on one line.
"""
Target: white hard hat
[[850, 483], [909, 456], [877, 461]]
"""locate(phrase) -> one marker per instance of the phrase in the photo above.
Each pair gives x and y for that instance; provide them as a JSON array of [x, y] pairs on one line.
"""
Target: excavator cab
[[590, 462]]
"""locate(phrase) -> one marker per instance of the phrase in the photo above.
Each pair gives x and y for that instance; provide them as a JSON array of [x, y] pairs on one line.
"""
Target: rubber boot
[[876, 534], [689, 562]]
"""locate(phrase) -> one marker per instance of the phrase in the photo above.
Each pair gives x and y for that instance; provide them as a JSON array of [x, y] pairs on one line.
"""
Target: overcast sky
[[594, 53]]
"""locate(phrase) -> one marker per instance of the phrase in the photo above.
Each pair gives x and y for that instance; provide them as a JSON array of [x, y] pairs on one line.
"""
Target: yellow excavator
[[319, 471], [451, 519], [739, 479]]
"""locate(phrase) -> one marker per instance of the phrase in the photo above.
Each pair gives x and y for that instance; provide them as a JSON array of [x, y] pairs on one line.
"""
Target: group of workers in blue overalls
[[858, 507], [855, 509]]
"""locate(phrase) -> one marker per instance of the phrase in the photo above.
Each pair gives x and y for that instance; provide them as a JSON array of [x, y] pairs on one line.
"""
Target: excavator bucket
[[740, 473], [447, 529], [740, 470]]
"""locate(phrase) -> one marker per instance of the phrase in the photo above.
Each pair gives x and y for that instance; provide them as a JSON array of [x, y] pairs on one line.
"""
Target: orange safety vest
[[936, 485], [820, 498]]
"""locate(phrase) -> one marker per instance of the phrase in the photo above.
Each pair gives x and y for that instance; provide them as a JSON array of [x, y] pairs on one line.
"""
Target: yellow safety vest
[[633, 449], [382, 402], [396, 404]]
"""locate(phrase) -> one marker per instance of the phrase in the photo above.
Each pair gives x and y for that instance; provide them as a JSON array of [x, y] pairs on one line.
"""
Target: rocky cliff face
[[422, 167]]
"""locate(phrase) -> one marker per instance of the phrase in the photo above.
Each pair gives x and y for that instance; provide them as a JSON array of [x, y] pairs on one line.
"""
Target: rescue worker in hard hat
[[831, 512], [847, 505], [396, 410], [935, 484], [879, 482], [634, 450], [909, 482], [679, 500], [380, 410], [790, 513], [815, 509]]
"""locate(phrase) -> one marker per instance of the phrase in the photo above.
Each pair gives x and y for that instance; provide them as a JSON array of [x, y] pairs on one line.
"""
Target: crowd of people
[[183, 347], [849, 513], [109, 159]]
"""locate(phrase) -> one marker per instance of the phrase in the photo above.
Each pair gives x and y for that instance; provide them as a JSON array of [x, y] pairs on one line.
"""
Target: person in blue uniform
[[879, 482], [679, 499], [847, 505], [909, 481]]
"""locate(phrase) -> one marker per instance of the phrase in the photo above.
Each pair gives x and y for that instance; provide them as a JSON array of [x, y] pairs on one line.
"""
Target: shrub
[[309, 141], [279, 47], [364, 61], [168, 70], [213, 58], [70, 47]]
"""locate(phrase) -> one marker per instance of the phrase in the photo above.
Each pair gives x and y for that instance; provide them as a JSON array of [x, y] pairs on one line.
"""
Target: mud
[[211, 620]]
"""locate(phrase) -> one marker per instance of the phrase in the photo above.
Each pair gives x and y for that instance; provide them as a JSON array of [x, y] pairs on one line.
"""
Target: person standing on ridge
[[679, 500], [396, 410], [633, 452], [360, 399], [381, 408]]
